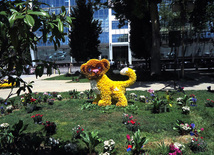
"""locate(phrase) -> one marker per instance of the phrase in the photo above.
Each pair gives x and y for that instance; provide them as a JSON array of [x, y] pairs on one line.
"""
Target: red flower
[[129, 146], [133, 122], [201, 137], [208, 99], [33, 116], [196, 140], [77, 131], [193, 139], [41, 115], [32, 100], [37, 114], [82, 129], [198, 144]]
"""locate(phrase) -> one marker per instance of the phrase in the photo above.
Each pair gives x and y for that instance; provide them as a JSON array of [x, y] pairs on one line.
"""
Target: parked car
[[60, 55]]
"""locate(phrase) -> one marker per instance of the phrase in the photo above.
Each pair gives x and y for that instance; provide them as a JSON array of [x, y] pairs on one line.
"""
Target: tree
[[155, 52], [85, 32], [140, 37], [145, 11], [19, 22]]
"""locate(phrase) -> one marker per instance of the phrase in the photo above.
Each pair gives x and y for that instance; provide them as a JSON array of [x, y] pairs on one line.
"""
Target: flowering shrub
[[50, 127], [183, 128], [54, 94], [91, 139], [2, 110], [142, 98], [37, 118], [53, 142], [109, 146], [130, 123], [182, 100], [194, 131], [198, 145], [176, 148], [81, 95], [76, 131], [185, 110], [89, 94], [180, 89], [192, 100], [209, 103], [4, 126], [71, 148], [45, 96], [135, 145], [51, 101], [9, 108], [132, 96]]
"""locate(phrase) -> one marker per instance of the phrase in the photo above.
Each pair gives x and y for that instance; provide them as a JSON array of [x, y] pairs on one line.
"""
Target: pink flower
[[128, 137], [150, 91], [202, 129]]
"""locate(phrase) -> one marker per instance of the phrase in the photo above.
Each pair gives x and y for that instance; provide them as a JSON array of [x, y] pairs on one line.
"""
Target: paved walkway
[[40, 85]]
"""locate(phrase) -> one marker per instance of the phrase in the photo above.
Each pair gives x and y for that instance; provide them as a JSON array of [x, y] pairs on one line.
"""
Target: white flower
[[186, 108], [142, 97], [179, 146], [81, 93], [180, 99], [4, 125], [59, 96], [185, 126], [109, 144], [133, 94], [10, 107]]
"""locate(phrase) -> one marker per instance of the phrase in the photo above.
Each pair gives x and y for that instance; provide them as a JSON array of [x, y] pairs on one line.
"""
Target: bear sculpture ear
[[83, 68], [106, 63]]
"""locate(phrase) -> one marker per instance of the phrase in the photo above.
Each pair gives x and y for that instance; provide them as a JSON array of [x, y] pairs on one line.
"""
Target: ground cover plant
[[75, 125]]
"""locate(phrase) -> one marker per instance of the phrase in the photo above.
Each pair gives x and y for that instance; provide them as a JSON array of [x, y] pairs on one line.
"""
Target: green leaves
[[60, 26], [138, 142], [91, 139], [37, 13], [29, 20]]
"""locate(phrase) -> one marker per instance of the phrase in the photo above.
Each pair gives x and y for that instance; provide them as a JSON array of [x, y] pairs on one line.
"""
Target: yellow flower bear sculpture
[[106, 89]]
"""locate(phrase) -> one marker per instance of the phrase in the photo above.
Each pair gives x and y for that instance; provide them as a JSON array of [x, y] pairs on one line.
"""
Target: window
[[115, 25], [119, 38]]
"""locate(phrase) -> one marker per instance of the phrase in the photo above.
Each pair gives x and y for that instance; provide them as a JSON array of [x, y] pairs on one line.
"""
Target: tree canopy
[[85, 31], [20, 23]]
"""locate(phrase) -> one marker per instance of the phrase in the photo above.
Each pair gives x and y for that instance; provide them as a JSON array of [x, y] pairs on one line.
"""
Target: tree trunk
[[155, 51]]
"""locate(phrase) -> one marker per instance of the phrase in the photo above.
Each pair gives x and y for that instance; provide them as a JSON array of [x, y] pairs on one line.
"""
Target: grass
[[158, 128], [71, 79]]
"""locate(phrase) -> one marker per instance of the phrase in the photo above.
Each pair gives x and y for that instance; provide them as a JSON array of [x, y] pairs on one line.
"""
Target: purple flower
[[192, 125], [129, 149], [194, 100], [191, 133], [152, 94]]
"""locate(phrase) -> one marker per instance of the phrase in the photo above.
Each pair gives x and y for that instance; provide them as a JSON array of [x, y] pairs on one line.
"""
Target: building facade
[[114, 41]]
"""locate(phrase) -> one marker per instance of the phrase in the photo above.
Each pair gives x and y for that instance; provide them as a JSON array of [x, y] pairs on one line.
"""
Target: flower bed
[[110, 125]]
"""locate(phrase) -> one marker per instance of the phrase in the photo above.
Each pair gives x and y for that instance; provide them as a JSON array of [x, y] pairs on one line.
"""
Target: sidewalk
[[40, 85]]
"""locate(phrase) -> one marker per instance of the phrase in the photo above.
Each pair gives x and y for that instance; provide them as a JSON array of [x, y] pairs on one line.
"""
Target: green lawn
[[158, 127], [72, 78]]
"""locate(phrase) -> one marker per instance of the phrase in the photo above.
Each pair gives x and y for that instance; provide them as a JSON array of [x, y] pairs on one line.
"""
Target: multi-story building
[[114, 41]]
